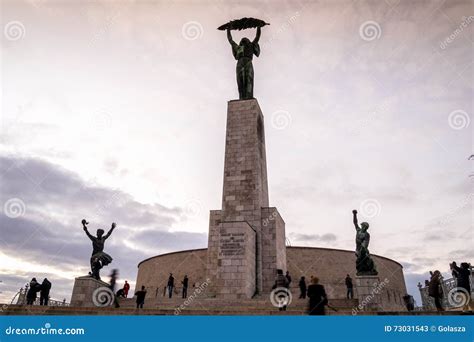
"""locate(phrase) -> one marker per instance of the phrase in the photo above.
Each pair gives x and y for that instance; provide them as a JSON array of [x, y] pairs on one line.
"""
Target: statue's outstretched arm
[[257, 37], [110, 231], [229, 37], [356, 223], [88, 234]]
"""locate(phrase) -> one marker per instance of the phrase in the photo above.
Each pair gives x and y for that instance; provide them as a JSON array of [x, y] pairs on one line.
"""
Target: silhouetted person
[[44, 293], [409, 302], [113, 279], [126, 288], [33, 289], [140, 297], [281, 281], [185, 283], [119, 294], [288, 277], [350, 287], [170, 285], [302, 285], [435, 290], [317, 298], [462, 274]]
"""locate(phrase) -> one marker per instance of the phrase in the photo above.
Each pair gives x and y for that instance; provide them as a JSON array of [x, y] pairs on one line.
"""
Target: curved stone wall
[[329, 265]]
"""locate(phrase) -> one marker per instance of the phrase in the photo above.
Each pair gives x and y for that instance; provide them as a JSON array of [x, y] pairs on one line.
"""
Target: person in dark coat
[[281, 281], [140, 297], [350, 287], [288, 277], [44, 293], [170, 285], [435, 290], [462, 274], [185, 283], [317, 298], [303, 288], [409, 302], [34, 288]]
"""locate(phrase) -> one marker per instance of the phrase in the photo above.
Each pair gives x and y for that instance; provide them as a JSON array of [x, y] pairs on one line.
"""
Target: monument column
[[246, 237]]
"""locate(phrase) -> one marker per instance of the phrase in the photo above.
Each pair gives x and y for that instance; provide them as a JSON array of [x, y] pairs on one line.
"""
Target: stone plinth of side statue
[[83, 291], [369, 289]]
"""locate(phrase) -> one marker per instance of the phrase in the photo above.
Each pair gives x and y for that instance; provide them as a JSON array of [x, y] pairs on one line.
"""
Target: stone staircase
[[213, 306]]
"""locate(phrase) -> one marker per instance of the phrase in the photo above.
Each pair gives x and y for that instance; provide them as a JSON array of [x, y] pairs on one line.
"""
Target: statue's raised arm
[[84, 226], [356, 222], [110, 231], [257, 36]]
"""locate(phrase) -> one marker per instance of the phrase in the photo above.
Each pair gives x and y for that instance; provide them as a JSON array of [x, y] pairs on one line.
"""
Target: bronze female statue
[[243, 53]]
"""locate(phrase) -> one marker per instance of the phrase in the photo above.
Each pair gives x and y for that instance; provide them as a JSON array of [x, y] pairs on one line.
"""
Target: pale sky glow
[[115, 111]]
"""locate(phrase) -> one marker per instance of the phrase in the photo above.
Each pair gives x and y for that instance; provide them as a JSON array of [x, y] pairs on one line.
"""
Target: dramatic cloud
[[43, 205]]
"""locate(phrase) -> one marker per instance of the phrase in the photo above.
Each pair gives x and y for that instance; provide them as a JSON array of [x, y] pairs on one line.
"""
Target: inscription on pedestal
[[232, 244]]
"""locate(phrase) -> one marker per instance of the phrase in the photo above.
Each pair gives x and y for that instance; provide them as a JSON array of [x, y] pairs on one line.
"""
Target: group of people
[[35, 287], [460, 273], [123, 292], [170, 286], [316, 293]]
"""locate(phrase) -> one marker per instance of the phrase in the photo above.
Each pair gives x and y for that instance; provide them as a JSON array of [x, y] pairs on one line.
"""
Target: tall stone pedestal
[[369, 290], [83, 290], [247, 237]]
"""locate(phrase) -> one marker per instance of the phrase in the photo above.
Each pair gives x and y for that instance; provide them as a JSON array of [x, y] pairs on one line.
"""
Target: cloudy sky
[[115, 111]]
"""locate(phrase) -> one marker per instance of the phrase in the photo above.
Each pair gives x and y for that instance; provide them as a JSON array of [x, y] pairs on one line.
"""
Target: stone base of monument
[[369, 291], [83, 290]]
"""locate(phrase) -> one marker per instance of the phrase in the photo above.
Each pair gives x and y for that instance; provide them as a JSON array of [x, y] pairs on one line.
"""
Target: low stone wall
[[329, 265]]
